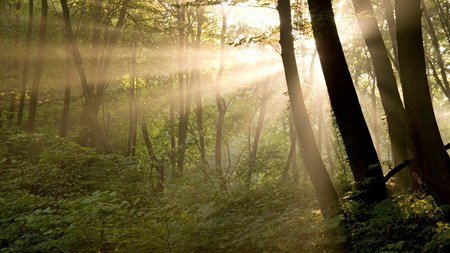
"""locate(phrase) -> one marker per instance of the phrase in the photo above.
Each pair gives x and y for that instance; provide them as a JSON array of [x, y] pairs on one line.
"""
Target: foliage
[[65, 198], [408, 223]]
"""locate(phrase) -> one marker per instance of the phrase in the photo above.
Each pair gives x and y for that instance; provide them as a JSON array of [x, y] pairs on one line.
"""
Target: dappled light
[[224, 126]]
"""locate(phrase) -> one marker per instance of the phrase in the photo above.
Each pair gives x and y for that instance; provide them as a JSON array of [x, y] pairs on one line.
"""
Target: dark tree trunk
[[389, 15], [39, 66], [362, 156], [431, 166], [326, 194], [386, 82]]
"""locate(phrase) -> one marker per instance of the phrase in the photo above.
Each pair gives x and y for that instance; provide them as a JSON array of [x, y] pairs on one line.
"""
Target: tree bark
[[325, 192], [67, 91], [39, 66], [221, 105], [386, 82], [362, 156], [431, 163], [26, 61], [100, 61], [198, 89], [87, 92], [184, 100], [265, 94], [133, 107], [389, 15]]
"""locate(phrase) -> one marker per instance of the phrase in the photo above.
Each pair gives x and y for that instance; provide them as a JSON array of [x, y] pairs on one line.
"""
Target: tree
[[26, 62], [198, 87], [265, 94], [183, 99], [220, 102], [361, 153], [385, 80], [105, 35], [89, 113], [39, 66], [325, 192], [67, 90], [133, 106], [431, 164]]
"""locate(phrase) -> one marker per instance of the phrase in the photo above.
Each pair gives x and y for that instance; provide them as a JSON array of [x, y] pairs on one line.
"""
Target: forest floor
[[58, 197]]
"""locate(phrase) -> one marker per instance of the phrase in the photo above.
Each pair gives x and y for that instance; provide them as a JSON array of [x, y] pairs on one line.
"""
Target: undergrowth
[[58, 197]]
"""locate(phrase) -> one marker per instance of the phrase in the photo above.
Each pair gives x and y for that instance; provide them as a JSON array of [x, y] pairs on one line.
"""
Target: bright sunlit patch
[[251, 14]]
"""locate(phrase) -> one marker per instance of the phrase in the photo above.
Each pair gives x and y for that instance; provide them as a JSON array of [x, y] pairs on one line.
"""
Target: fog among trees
[[224, 126]]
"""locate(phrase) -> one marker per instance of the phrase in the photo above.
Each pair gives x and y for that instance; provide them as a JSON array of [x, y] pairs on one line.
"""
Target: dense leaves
[[65, 198]]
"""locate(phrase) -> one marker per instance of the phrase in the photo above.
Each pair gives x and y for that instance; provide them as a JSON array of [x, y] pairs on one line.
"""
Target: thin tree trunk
[[67, 91], [172, 139], [24, 82], [221, 105], [326, 194], [154, 161], [362, 156], [431, 165], [259, 126], [291, 161], [198, 91], [39, 66], [132, 120]]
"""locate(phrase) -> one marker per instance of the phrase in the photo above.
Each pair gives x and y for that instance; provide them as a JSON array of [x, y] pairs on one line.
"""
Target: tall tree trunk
[[326, 194], [198, 89], [183, 98], [15, 60], [389, 15], [220, 102], [39, 66], [386, 83], [291, 161], [362, 156], [26, 61], [173, 144], [259, 126], [101, 55], [67, 91], [87, 92], [431, 162], [133, 110]]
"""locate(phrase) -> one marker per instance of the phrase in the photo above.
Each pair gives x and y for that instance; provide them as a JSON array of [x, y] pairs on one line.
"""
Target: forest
[[225, 126]]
